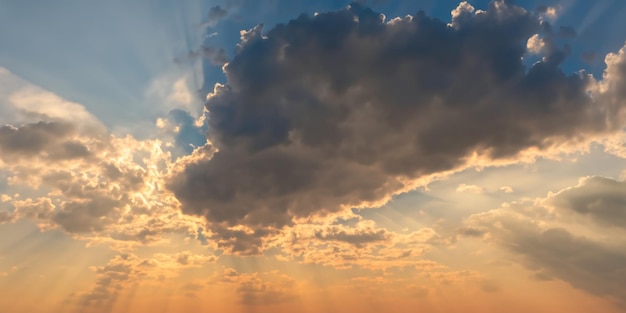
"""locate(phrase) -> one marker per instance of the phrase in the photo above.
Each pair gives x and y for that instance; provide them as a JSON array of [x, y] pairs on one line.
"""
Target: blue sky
[[122, 47]]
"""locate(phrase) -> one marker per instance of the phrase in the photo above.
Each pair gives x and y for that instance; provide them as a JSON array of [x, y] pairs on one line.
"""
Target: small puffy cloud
[[469, 188], [535, 44], [548, 13], [506, 189]]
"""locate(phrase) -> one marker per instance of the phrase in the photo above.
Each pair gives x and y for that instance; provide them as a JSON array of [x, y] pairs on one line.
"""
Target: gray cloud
[[595, 267], [554, 246], [356, 237], [216, 13], [110, 279], [602, 199], [254, 290], [90, 184], [5, 217], [241, 242], [51, 140], [344, 109]]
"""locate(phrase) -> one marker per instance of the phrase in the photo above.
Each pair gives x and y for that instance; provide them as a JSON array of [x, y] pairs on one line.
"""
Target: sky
[[312, 156]]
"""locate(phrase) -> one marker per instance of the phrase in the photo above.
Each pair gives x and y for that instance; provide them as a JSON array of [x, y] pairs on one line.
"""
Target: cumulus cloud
[[78, 177], [554, 244], [344, 110], [362, 245], [112, 277], [357, 237], [258, 289], [97, 187], [127, 269]]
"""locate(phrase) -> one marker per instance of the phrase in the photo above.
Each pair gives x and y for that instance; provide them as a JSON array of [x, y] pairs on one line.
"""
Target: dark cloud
[[239, 241], [470, 232], [601, 199], [356, 237], [597, 268], [50, 140], [594, 264], [216, 14], [344, 109]]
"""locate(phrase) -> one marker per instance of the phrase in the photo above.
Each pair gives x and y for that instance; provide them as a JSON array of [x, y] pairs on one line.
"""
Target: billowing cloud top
[[345, 109]]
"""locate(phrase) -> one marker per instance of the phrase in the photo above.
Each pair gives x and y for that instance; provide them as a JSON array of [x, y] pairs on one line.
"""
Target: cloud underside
[[345, 109], [575, 235]]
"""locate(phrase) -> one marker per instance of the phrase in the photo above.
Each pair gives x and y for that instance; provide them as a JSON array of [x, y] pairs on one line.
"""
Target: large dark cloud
[[344, 109]]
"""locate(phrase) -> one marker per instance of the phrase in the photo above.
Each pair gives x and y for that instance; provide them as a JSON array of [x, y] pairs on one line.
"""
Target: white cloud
[[506, 189], [535, 44], [469, 188]]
